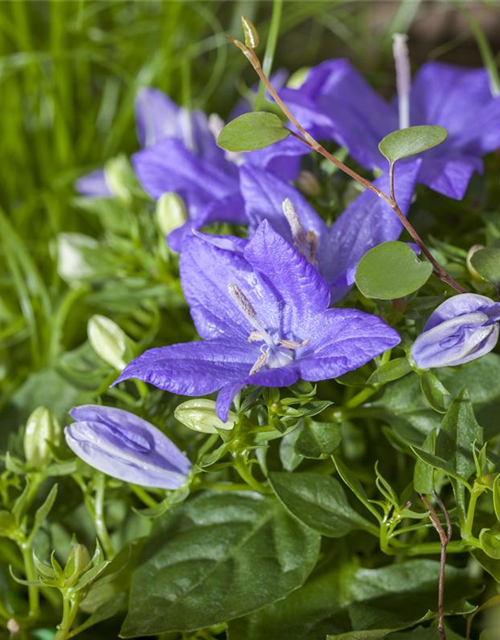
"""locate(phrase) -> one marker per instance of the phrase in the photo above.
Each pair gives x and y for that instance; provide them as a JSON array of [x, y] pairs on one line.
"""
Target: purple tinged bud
[[460, 330], [126, 447]]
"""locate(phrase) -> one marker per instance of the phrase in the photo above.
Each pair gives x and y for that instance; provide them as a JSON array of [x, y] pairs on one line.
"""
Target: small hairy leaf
[[252, 131], [408, 142]]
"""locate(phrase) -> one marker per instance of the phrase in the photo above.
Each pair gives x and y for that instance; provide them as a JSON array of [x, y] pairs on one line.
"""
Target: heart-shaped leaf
[[252, 131], [408, 142], [390, 271]]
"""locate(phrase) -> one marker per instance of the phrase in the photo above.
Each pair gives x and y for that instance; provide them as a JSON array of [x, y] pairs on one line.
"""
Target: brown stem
[[445, 537], [312, 143]]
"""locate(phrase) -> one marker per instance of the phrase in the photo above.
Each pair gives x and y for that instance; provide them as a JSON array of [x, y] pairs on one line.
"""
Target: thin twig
[[445, 537], [313, 144]]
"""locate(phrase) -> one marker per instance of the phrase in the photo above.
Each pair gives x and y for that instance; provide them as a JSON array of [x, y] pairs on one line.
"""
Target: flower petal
[[343, 340], [450, 174], [94, 185], [156, 117], [459, 305], [193, 368]]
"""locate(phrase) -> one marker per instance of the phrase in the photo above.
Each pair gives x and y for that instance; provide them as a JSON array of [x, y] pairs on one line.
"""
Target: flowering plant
[[280, 422]]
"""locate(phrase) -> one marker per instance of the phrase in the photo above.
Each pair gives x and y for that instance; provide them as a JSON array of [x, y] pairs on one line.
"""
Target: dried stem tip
[[251, 34]]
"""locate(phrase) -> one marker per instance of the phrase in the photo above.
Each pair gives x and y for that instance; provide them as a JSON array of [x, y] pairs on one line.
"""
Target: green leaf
[[437, 463], [434, 391], [318, 439], [496, 497], [217, 557], [408, 142], [44, 510], [391, 270], [318, 501], [487, 263], [390, 371], [355, 486], [490, 542], [252, 131], [457, 436], [423, 474]]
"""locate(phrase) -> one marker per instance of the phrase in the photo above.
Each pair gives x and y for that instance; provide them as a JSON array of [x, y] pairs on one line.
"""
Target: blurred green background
[[69, 74]]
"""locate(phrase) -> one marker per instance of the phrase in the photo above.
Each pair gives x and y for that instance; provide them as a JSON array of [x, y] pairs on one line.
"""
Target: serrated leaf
[[411, 141], [391, 270], [252, 131], [217, 557], [318, 501]]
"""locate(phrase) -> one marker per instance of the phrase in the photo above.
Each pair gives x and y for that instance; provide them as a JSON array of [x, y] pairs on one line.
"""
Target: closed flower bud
[[460, 330], [78, 561], [42, 427], [199, 415], [72, 261], [119, 177], [109, 341], [171, 213], [476, 276], [126, 447]]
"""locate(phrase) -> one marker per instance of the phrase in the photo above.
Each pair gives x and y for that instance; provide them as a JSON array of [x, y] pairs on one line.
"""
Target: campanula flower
[[262, 311], [126, 447], [367, 222], [458, 99], [461, 329]]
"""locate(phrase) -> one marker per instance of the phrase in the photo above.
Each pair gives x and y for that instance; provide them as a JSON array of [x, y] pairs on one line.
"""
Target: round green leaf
[[215, 558], [487, 263], [390, 271], [408, 142], [252, 131]]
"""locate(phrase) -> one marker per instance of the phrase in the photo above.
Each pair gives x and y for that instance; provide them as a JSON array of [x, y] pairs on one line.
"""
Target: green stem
[[471, 510], [70, 609], [360, 397], [244, 471], [144, 496], [272, 41], [31, 576], [100, 523]]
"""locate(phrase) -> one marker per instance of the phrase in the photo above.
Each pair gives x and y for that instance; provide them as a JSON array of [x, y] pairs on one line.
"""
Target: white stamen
[[215, 126], [403, 77], [186, 126], [306, 243], [246, 308]]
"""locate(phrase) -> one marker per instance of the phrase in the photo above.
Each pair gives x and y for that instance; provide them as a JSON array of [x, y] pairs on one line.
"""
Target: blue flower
[[367, 222], [262, 311], [335, 102], [460, 330], [126, 447]]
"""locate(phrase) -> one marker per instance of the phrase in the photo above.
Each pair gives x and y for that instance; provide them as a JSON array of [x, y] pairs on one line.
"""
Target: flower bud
[[308, 184], [171, 213], [72, 262], [126, 447], [109, 341], [474, 273], [461, 329], [78, 561], [119, 177], [199, 415], [42, 427]]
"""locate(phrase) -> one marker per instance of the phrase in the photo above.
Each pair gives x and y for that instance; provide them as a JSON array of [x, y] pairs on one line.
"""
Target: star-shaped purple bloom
[[458, 99], [367, 222], [262, 311]]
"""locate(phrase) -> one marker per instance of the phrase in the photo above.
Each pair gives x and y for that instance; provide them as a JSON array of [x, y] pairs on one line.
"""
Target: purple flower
[[262, 311], [94, 185], [126, 447], [367, 222], [460, 330], [458, 99]]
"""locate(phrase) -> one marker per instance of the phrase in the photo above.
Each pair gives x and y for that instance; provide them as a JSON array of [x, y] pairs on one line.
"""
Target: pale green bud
[[297, 79], [78, 561], [474, 249], [199, 415], [119, 177], [72, 263], [171, 213], [109, 341], [42, 427]]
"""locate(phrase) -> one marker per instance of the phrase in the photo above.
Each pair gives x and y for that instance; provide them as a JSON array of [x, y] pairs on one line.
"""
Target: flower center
[[275, 352], [403, 77]]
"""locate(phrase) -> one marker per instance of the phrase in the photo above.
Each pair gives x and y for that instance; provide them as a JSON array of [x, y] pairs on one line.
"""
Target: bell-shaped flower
[[459, 99], [461, 329], [367, 222], [126, 447], [262, 310]]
